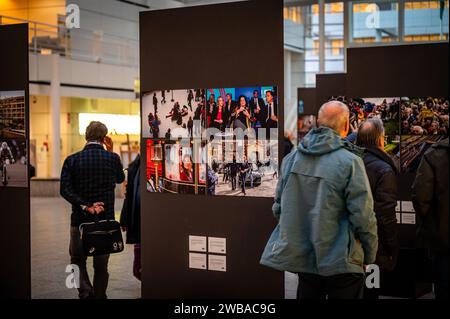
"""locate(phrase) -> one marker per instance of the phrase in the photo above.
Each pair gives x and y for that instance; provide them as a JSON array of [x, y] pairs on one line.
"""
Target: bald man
[[327, 230]]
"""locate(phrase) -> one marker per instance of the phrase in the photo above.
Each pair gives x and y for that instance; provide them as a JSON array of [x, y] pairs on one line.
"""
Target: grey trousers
[[101, 276]]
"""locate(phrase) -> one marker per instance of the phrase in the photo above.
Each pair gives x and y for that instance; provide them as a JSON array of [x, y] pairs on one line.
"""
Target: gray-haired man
[[88, 180]]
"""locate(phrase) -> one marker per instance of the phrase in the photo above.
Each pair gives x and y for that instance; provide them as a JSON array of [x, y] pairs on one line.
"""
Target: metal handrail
[[79, 44]]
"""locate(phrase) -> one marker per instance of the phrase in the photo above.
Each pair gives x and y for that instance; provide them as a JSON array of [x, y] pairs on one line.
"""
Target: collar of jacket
[[442, 144], [94, 145], [382, 156], [349, 146]]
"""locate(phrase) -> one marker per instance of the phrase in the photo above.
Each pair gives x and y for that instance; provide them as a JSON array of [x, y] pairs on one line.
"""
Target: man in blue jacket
[[327, 230]]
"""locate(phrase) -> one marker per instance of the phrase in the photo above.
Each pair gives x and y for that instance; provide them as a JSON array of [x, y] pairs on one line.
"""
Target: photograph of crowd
[[12, 114], [392, 147], [243, 168], [361, 109], [250, 107], [13, 163], [169, 113], [424, 116], [413, 147], [305, 124], [173, 167]]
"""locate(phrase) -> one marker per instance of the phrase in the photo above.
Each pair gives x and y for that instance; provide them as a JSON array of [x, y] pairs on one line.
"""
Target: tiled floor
[[50, 221]]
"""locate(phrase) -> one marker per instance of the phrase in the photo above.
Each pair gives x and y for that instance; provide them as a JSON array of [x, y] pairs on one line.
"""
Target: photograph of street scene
[[13, 163], [169, 113], [12, 114]]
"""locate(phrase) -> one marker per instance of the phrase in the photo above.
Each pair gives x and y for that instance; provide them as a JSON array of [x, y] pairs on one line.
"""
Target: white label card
[[398, 208], [217, 245], [217, 263], [397, 215], [407, 207], [197, 243], [197, 261], [409, 219]]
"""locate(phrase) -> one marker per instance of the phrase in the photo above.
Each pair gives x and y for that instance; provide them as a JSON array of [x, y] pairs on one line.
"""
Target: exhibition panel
[[378, 83], [14, 184], [212, 116]]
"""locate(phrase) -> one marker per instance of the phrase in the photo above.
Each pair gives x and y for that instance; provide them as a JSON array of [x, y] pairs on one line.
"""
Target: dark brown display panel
[[218, 46], [15, 197]]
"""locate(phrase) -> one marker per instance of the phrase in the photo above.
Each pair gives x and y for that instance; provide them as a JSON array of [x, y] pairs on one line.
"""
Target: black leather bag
[[101, 237]]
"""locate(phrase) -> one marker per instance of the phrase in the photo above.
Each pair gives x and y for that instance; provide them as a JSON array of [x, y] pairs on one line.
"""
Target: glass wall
[[426, 21], [391, 21], [357, 23], [374, 21]]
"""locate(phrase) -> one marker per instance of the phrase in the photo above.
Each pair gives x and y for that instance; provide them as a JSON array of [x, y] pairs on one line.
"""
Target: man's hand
[[107, 141], [96, 208]]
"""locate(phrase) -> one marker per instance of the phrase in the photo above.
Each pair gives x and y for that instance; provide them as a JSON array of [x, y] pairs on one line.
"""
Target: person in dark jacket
[[430, 199], [88, 179], [233, 171], [382, 173], [130, 217], [287, 142]]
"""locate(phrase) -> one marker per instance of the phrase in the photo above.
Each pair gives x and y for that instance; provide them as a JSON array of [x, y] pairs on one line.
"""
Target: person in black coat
[[382, 173], [233, 171], [269, 114], [230, 105], [430, 200], [257, 105], [130, 217], [244, 170], [155, 103]]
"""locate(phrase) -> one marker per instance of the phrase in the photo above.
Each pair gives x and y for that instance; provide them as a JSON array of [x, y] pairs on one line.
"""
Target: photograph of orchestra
[[12, 114], [173, 167], [174, 113], [424, 116], [243, 168], [412, 148], [13, 163]]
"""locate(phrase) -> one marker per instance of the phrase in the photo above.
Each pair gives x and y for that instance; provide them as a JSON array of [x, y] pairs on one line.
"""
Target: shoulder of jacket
[[73, 156], [436, 152], [348, 155]]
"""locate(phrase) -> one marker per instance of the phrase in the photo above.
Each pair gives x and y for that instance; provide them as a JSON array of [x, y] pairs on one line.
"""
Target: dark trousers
[[233, 182], [137, 261], [440, 271], [243, 178], [343, 286], [101, 276]]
